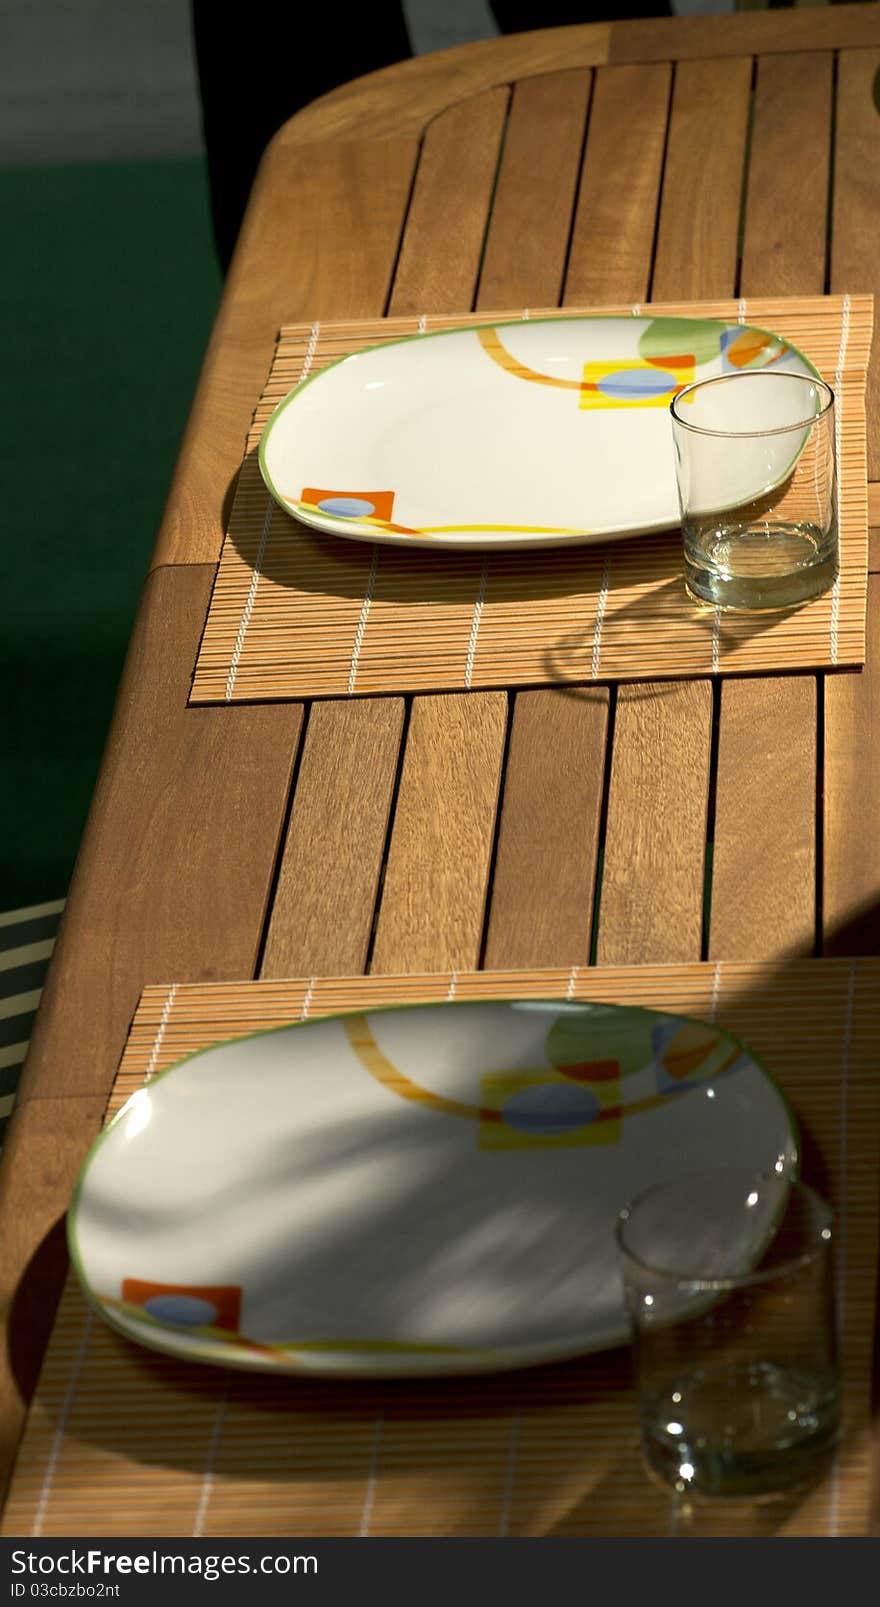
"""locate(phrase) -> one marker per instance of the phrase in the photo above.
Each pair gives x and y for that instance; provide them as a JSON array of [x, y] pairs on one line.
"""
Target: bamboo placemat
[[298, 614], [122, 1441]]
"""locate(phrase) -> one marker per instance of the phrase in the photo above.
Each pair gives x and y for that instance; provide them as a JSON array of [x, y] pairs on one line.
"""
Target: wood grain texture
[[764, 865], [431, 913], [651, 902], [176, 861], [703, 180], [45, 1144], [545, 870], [442, 246], [528, 233], [758, 32], [855, 259], [851, 845], [784, 245], [403, 99], [319, 239], [322, 912], [613, 235]]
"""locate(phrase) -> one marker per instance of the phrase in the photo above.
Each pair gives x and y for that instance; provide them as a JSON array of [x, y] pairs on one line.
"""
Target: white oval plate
[[430, 1189], [531, 433]]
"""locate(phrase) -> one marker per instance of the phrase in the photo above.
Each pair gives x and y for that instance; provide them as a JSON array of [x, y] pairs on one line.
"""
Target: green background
[[109, 286]]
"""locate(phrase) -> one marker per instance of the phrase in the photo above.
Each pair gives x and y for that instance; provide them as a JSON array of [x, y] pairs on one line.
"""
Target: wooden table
[[605, 163]]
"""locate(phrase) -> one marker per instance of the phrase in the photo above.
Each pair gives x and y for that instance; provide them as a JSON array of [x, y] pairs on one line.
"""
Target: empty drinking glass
[[729, 1287], [755, 464]]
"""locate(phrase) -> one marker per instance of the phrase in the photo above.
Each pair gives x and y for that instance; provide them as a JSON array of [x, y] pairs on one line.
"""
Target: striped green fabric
[[27, 938]]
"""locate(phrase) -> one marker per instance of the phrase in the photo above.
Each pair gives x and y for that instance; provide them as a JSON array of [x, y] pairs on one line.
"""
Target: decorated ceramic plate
[[430, 1189], [531, 433]]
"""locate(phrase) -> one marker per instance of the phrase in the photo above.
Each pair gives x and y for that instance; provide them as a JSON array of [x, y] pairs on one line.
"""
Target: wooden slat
[[611, 255], [702, 180], [319, 240], [542, 892], [323, 908], [613, 234], [763, 902], [431, 914], [764, 866], [434, 891], [445, 229], [851, 846], [651, 898], [531, 211], [855, 258], [822, 27], [784, 246], [651, 901]]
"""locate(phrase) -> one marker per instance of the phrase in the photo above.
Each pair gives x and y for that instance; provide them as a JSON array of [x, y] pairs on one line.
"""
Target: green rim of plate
[[333, 525], [95, 1301]]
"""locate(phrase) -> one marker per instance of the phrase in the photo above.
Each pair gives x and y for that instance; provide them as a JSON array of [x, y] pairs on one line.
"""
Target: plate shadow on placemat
[[410, 576]]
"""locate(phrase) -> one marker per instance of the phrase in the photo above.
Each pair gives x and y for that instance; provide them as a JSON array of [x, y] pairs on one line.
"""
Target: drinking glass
[[729, 1286], [755, 464]]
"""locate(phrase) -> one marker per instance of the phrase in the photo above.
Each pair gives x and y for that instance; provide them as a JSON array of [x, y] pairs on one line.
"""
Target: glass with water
[[730, 1291], [757, 486]]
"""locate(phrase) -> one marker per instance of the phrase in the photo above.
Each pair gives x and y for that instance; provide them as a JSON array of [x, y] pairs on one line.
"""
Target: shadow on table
[[579, 1471]]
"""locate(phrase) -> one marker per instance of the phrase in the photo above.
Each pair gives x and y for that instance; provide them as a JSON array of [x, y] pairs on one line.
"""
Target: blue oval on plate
[[186, 1310], [550, 1107], [634, 384], [347, 507]]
